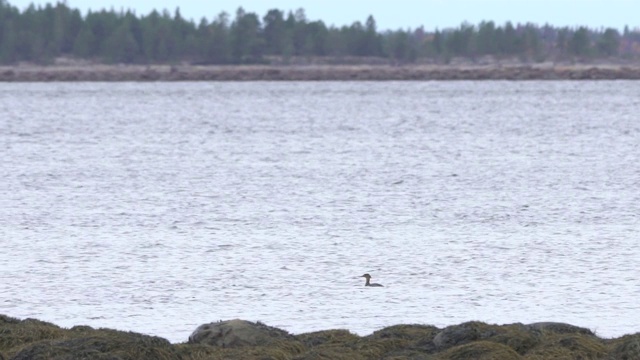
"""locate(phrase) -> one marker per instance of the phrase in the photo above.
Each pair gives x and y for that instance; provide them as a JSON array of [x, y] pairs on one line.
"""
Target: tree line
[[41, 34]]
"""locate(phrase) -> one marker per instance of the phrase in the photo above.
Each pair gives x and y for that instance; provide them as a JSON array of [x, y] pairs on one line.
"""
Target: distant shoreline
[[143, 73]]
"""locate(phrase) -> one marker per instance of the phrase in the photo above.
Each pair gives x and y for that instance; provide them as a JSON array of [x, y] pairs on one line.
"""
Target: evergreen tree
[[121, 46], [219, 43], [372, 43], [275, 32], [84, 45], [246, 43], [135, 27], [8, 41], [486, 38], [297, 23], [438, 42], [159, 41], [102, 25], [39, 34], [181, 31], [579, 44], [355, 39], [531, 48], [317, 39], [336, 42], [462, 42], [149, 26], [72, 27], [399, 47], [562, 42], [509, 44], [609, 42]]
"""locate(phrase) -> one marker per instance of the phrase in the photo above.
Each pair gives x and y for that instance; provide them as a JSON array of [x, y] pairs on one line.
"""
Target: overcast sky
[[397, 14]]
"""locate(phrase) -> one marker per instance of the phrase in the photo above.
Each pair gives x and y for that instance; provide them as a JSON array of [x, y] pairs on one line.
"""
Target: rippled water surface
[[159, 207]]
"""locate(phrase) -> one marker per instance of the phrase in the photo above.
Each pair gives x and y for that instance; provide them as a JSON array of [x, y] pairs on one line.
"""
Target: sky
[[396, 14]]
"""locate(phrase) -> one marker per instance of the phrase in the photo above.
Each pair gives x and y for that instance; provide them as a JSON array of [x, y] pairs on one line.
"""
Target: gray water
[[158, 207]]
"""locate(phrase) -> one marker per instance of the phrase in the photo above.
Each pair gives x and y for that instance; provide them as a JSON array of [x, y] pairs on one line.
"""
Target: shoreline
[[240, 339], [168, 73]]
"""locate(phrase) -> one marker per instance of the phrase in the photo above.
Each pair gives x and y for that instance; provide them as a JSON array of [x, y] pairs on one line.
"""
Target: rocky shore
[[97, 72], [239, 339]]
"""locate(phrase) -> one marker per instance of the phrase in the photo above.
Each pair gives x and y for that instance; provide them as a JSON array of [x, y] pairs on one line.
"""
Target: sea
[[158, 207]]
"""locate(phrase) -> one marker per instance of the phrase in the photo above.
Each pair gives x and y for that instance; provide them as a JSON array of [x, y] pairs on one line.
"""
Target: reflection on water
[[159, 207]]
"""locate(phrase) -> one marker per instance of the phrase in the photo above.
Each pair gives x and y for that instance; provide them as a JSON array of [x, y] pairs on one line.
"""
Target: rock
[[481, 350], [317, 338], [410, 332], [559, 328], [32, 339], [462, 334], [570, 346], [626, 347], [237, 333], [100, 344]]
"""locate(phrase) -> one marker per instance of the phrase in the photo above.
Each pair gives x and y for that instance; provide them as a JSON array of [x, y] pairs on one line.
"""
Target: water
[[159, 207]]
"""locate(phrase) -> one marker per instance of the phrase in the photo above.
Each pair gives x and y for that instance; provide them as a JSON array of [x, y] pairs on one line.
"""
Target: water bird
[[368, 283]]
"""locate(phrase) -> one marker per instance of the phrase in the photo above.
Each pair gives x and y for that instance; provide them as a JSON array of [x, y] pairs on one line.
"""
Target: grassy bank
[[33, 73], [34, 339]]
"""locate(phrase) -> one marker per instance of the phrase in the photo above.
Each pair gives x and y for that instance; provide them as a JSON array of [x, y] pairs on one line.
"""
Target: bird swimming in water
[[368, 277]]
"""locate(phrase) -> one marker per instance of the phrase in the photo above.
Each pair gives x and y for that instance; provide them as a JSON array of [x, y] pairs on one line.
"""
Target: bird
[[368, 277]]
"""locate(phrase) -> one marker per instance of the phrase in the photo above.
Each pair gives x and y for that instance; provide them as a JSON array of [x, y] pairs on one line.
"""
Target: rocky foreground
[[97, 72], [239, 339]]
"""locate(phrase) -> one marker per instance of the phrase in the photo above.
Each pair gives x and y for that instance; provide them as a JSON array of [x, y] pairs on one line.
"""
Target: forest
[[40, 34]]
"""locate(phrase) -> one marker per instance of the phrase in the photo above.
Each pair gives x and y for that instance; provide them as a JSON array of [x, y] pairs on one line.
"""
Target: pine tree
[[122, 46], [579, 44], [84, 45], [246, 43], [609, 42], [275, 32]]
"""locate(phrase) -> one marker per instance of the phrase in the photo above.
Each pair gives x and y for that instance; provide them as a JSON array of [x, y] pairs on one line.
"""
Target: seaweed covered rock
[[279, 350], [559, 328], [418, 340], [516, 336], [323, 337], [100, 344], [244, 340], [409, 332], [480, 350], [4, 319], [341, 344], [520, 338], [463, 333], [15, 333], [586, 346], [330, 352], [237, 333], [569, 346], [626, 347]]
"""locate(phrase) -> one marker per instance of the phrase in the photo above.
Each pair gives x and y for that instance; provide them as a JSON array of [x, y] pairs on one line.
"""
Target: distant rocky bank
[[240, 339], [107, 73]]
